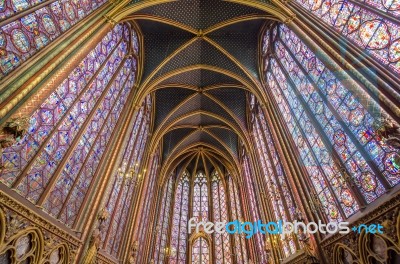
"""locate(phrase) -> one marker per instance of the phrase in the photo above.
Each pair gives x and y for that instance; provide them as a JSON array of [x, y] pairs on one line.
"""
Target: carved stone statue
[[12, 131], [298, 215], [95, 240], [134, 249], [389, 131], [308, 248]]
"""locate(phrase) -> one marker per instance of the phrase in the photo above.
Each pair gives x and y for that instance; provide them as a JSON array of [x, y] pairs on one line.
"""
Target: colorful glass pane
[[365, 23], [200, 251], [29, 34], [53, 123], [236, 209], [222, 244], [179, 232]]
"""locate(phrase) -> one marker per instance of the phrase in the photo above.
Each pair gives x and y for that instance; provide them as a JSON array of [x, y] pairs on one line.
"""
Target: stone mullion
[[155, 211], [24, 172], [307, 142], [190, 206], [224, 192], [320, 133], [228, 203], [273, 114], [285, 177], [87, 157], [354, 140], [132, 217], [106, 170], [152, 238], [258, 209], [114, 211], [171, 216], [246, 210], [168, 223], [213, 220], [77, 137], [122, 137], [315, 42], [133, 207], [125, 248], [119, 221], [383, 77], [239, 208], [136, 183], [300, 178], [266, 204], [169, 233], [230, 209], [269, 203], [210, 205], [115, 181], [121, 191], [275, 173], [23, 95], [264, 173]]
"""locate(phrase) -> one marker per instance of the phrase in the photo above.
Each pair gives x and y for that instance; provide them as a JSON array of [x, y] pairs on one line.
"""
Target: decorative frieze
[[363, 247], [22, 240]]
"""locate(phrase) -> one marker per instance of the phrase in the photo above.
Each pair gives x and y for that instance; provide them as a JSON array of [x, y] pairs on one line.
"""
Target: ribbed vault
[[200, 63]]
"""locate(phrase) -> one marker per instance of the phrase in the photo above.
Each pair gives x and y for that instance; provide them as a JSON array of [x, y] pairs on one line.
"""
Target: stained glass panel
[[258, 239], [368, 27], [57, 120], [179, 233], [145, 215], [222, 244], [278, 188], [200, 251], [236, 209], [21, 38], [325, 118]]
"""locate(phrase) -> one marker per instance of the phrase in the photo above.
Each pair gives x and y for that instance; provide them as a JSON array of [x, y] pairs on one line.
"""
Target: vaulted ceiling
[[200, 61]]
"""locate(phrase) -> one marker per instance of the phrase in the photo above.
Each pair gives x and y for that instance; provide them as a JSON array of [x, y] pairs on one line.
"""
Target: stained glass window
[[236, 211], [280, 195], [222, 245], [163, 223], [200, 251], [200, 197], [258, 239], [70, 131], [180, 219], [204, 191], [371, 25], [145, 215], [124, 187], [332, 130], [21, 38]]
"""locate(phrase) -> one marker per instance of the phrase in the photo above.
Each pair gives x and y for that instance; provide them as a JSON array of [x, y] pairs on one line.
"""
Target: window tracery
[[21, 38], [200, 251], [222, 245], [55, 163], [331, 129], [126, 180], [371, 25], [283, 205]]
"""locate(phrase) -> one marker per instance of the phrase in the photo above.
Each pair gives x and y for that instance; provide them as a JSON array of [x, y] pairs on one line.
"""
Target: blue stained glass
[[343, 119]]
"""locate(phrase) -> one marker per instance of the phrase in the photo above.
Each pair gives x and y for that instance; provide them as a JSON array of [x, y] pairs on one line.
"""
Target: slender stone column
[[27, 90]]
